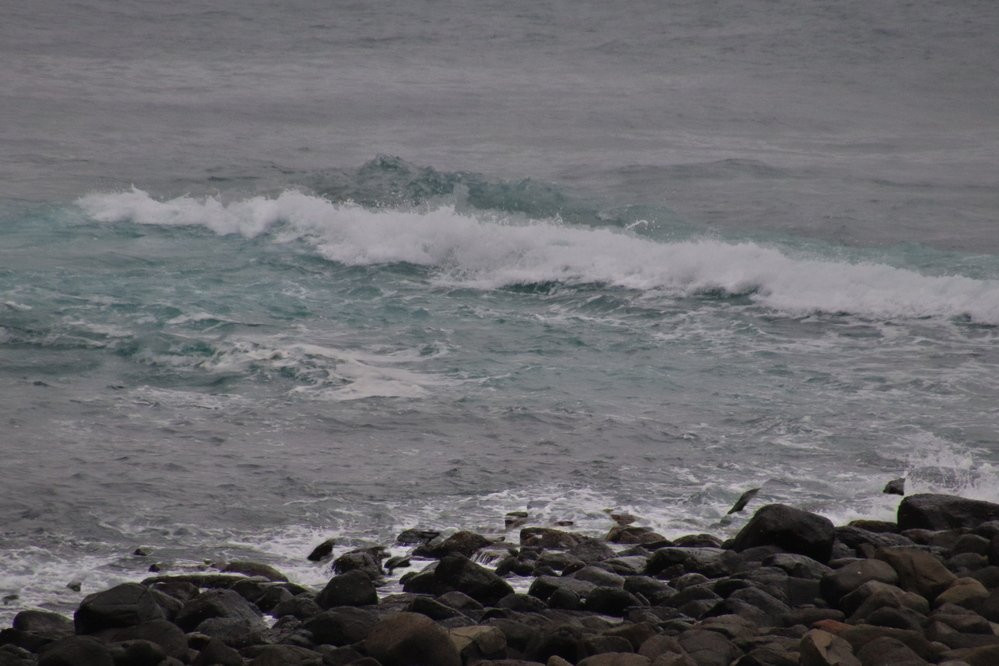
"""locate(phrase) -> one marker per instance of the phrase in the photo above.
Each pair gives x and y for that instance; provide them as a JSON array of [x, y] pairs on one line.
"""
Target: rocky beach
[[789, 588]]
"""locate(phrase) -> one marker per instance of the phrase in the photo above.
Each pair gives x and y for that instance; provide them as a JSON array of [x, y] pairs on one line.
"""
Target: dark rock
[[743, 500], [396, 562], [366, 560], [547, 537], [322, 551], [514, 519], [166, 635], [708, 648], [771, 609], [860, 635], [610, 658], [216, 603], [459, 573], [217, 653], [44, 623], [879, 526], [404, 639], [278, 601], [971, 543], [460, 543], [234, 631], [610, 601], [800, 566], [768, 655], [598, 576], [874, 594], [888, 651], [563, 641], [591, 550], [354, 588], [989, 607], [255, 569], [432, 608], [544, 586], [344, 625], [966, 592], [710, 562], [857, 537], [11, 655], [523, 603], [412, 537], [793, 530], [698, 541], [653, 589], [821, 648], [633, 534], [848, 578], [478, 642], [136, 653], [76, 651], [285, 655], [121, 606], [460, 601], [895, 487], [564, 599], [900, 618], [940, 512], [985, 656], [918, 570], [808, 616]]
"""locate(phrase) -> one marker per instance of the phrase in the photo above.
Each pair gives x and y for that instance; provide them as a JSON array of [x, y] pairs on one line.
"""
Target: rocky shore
[[789, 588]]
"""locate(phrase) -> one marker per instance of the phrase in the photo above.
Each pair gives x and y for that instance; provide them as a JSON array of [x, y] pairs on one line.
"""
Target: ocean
[[272, 273]]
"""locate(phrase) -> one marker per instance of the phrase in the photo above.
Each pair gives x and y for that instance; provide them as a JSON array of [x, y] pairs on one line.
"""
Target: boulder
[[918, 570], [76, 651], [322, 551], [886, 651], [478, 642], [708, 648], [966, 592], [941, 512], [165, 634], [610, 601], [46, 624], [353, 588], [136, 653], [791, 529], [460, 543], [820, 648], [591, 550], [547, 537], [404, 639], [456, 572], [217, 653], [344, 625], [216, 603], [849, 577], [710, 562], [121, 606], [615, 659], [365, 559], [284, 655]]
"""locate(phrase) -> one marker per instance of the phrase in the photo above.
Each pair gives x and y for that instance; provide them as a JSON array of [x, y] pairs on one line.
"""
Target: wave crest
[[493, 251]]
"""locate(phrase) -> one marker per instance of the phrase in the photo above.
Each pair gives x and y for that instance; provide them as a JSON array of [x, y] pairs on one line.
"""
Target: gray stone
[[791, 529]]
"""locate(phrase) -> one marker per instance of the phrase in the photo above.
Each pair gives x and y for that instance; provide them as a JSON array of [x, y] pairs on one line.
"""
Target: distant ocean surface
[[277, 272]]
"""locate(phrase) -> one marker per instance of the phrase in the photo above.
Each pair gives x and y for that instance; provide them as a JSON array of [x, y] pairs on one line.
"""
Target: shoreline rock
[[790, 588]]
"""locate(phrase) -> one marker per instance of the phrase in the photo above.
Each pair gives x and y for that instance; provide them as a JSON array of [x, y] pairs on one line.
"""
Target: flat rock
[[940, 512]]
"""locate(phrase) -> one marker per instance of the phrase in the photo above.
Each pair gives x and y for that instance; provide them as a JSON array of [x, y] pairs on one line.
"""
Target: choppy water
[[273, 275]]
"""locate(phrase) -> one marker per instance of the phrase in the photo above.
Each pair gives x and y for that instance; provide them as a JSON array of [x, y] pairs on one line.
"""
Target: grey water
[[275, 272]]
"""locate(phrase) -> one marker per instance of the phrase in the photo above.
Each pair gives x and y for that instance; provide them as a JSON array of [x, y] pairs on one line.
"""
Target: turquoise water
[[545, 259]]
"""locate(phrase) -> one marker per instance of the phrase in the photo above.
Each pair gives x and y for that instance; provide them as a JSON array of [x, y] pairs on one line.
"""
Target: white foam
[[488, 252]]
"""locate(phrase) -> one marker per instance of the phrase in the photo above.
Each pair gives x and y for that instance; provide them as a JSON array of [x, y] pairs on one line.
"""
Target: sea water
[[273, 274]]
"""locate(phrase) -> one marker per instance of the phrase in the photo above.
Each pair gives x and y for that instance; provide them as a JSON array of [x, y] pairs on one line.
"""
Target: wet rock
[[800, 566], [403, 639], [322, 551], [792, 530], [634, 534], [353, 588], [523, 603], [136, 653], [895, 487], [547, 537], [414, 536], [459, 573], [460, 543], [599, 577], [365, 560], [432, 608], [255, 569], [544, 586], [563, 641], [513, 519], [710, 562], [940, 512], [591, 550], [44, 623], [121, 606]]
